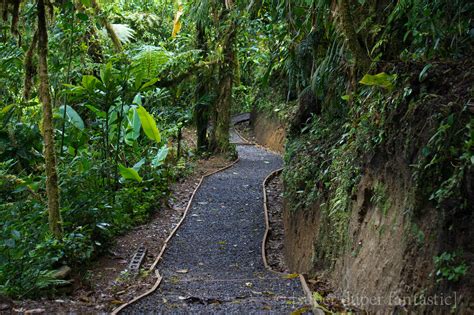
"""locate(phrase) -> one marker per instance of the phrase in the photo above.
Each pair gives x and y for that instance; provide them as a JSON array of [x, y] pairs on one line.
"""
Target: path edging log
[[307, 291]]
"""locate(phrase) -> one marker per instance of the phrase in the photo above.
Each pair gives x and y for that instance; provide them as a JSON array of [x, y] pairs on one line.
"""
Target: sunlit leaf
[[139, 164], [149, 124], [133, 126], [177, 22], [160, 156], [381, 79], [129, 173]]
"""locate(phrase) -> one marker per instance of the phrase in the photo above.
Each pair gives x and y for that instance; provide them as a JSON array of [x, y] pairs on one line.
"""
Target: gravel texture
[[214, 264]]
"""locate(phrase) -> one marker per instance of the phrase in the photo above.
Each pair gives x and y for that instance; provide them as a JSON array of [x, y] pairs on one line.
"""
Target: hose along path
[[213, 264]]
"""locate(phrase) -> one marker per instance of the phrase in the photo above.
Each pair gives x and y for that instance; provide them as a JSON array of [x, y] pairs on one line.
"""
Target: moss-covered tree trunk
[[362, 60], [52, 189], [223, 104], [202, 90]]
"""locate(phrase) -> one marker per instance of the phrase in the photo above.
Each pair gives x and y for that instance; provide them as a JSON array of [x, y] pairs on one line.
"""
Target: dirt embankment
[[402, 250], [268, 131]]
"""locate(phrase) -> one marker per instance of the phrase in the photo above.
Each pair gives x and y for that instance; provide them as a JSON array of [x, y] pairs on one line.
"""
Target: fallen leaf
[[291, 276]]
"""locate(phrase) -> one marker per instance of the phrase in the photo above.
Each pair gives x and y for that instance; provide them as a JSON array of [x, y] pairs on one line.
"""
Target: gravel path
[[214, 264]]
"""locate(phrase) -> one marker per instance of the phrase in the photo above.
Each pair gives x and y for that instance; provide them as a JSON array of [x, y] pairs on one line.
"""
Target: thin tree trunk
[[202, 90], [108, 27], [30, 67], [52, 189]]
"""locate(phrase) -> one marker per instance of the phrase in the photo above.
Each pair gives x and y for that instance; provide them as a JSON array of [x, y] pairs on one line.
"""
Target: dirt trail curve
[[214, 264]]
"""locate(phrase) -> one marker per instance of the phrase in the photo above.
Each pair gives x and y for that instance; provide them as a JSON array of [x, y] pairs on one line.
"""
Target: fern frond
[[149, 61]]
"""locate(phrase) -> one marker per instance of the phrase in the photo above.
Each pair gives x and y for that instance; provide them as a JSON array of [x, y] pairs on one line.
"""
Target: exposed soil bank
[[392, 234], [268, 131]]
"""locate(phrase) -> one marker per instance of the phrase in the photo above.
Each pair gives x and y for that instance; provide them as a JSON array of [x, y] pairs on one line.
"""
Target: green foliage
[[448, 267], [129, 173], [381, 79], [103, 101], [148, 124], [98, 119]]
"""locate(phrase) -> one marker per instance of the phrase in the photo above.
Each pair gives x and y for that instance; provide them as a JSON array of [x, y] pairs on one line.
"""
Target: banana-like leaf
[[177, 22], [129, 173], [72, 116], [149, 124]]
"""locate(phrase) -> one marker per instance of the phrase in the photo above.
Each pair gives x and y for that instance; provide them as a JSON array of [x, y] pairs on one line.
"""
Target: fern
[[150, 61], [10, 55]]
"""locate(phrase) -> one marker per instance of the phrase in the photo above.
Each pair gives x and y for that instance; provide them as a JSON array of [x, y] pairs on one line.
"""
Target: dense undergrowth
[[125, 77]]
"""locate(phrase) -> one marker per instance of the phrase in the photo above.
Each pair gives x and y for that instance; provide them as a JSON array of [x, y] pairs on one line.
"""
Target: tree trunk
[[108, 27], [362, 60], [223, 106], [224, 94], [202, 90], [30, 67], [52, 189]]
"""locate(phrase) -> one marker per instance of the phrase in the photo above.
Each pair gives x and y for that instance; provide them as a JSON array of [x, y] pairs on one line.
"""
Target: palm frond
[[124, 32]]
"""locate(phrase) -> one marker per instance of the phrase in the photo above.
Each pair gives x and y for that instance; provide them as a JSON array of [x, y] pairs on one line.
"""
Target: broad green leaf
[[345, 97], [129, 173], [149, 83], [133, 126], [89, 82], [160, 157], [72, 116], [86, 3], [381, 79], [138, 81], [138, 99], [106, 75], [148, 124]]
